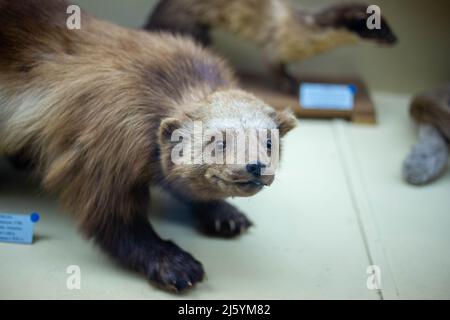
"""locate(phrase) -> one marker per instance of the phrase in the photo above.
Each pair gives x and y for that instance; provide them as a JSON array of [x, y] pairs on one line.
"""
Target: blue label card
[[17, 228], [327, 96]]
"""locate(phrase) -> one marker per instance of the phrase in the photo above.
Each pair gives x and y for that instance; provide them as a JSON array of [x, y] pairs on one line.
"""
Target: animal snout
[[255, 168]]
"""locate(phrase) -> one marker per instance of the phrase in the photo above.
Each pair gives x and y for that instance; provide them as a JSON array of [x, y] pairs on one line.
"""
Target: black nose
[[255, 168]]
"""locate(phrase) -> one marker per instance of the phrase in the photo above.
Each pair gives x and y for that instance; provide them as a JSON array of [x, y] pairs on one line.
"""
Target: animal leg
[[136, 245]]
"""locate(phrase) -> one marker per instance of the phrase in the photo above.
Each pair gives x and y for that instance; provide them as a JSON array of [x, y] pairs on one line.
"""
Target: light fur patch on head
[[280, 9], [235, 109], [244, 123]]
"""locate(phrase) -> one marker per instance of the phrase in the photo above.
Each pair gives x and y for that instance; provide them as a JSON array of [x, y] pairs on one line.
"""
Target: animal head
[[227, 146], [353, 17]]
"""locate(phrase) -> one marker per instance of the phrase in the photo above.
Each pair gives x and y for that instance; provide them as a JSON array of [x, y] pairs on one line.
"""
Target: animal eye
[[269, 144]]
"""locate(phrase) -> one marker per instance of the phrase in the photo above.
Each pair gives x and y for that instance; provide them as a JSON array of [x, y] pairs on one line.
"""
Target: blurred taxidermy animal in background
[[428, 159], [285, 33]]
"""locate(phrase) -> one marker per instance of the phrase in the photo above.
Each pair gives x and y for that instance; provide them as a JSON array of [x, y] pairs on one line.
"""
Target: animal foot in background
[[421, 168], [174, 269], [428, 159], [223, 220]]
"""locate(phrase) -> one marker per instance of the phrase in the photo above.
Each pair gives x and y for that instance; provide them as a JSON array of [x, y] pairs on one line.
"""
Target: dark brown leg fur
[[221, 219], [136, 245]]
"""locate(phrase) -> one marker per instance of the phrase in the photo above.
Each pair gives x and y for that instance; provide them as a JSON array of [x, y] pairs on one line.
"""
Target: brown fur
[[270, 24], [87, 106], [284, 32], [119, 102]]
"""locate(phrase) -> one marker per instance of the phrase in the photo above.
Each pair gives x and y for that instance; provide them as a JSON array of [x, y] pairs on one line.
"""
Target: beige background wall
[[420, 60]]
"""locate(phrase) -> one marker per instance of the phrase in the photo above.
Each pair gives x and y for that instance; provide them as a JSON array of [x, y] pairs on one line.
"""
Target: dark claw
[[175, 269]]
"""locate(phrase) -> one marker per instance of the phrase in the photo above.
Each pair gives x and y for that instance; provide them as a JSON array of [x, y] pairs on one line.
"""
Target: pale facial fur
[[230, 121]]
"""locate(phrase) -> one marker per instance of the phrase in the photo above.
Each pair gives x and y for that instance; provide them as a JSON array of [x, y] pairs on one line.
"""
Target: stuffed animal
[[94, 112], [284, 32], [428, 159]]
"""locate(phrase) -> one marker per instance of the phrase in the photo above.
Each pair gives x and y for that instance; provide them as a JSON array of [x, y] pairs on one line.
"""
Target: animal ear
[[286, 121], [167, 127]]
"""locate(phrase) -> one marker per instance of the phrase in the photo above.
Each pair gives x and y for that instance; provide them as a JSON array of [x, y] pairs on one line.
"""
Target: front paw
[[174, 269], [223, 220]]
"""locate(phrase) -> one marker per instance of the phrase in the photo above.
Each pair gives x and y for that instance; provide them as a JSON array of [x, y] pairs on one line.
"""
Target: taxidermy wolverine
[[284, 32], [95, 109]]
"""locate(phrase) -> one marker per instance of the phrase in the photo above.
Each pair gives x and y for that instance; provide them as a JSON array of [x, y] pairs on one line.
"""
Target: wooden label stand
[[362, 112]]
